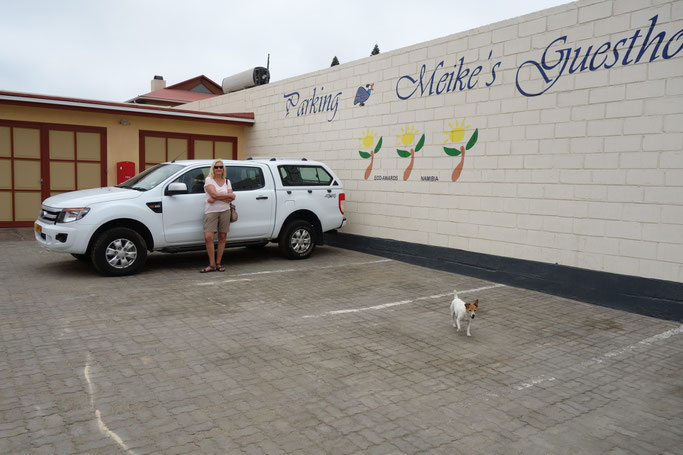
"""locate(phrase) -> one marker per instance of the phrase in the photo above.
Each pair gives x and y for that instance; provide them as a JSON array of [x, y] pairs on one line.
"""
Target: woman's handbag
[[233, 213]]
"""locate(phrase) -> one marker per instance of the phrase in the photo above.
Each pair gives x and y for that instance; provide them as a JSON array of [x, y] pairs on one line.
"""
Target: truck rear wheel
[[119, 251], [296, 241]]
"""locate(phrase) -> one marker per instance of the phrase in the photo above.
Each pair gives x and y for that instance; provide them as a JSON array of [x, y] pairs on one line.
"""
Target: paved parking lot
[[343, 353]]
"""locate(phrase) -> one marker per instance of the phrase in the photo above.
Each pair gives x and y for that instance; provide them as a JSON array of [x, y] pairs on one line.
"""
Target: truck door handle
[[310, 191], [261, 197]]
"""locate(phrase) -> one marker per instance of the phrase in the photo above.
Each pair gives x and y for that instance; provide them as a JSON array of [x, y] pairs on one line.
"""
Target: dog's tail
[[455, 292]]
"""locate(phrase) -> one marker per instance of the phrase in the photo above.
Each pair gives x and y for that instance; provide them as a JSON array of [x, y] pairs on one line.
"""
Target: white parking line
[[100, 423], [624, 350], [268, 272], [208, 283], [350, 264], [532, 382], [393, 304], [608, 355]]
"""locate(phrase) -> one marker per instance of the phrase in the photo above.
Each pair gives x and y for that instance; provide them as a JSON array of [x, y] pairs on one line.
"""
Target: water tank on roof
[[249, 78]]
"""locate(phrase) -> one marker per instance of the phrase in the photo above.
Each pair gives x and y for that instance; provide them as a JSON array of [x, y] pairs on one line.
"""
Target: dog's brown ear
[[476, 303]]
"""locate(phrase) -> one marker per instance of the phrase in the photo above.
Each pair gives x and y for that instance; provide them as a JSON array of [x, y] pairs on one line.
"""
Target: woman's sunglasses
[[218, 167]]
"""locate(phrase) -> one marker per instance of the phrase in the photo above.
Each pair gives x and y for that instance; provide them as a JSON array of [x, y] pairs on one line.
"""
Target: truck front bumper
[[60, 237]]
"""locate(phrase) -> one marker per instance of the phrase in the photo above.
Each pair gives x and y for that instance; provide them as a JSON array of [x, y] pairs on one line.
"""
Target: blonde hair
[[211, 170]]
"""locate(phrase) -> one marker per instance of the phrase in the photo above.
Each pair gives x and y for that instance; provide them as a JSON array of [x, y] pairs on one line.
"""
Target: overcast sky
[[110, 50]]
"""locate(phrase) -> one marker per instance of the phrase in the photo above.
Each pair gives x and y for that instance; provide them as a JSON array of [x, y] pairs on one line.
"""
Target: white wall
[[588, 174]]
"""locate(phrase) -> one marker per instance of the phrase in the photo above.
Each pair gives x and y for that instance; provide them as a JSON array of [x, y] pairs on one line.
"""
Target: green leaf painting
[[473, 139], [367, 141], [420, 143], [403, 153], [451, 152]]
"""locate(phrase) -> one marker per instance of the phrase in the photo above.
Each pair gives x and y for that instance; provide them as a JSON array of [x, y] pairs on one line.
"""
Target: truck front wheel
[[297, 241], [118, 252], [81, 257]]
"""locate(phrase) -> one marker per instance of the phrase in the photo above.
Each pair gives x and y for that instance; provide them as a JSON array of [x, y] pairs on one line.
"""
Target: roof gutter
[[246, 119]]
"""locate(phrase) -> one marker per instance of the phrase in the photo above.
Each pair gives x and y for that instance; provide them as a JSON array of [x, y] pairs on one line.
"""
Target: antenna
[[178, 155], [268, 63]]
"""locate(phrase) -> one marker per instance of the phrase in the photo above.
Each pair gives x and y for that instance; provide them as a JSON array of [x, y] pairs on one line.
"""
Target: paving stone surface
[[343, 353]]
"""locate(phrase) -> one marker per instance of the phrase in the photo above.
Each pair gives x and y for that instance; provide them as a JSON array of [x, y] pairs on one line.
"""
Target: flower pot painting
[[454, 135], [411, 142], [368, 141], [406, 139]]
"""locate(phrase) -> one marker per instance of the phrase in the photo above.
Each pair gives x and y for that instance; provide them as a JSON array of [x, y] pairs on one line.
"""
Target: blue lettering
[[475, 73], [556, 61], [647, 43], [626, 60], [314, 105], [325, 103], [493, 74], [544, 66], [441, 85], [431, 79], [292, 101], [665, 53], [312, 102], [572, 67], [450, 75], [592, 65], [303, 109], [461, 75], [615, 52], [427, 85], [412, 81], [335, 101]]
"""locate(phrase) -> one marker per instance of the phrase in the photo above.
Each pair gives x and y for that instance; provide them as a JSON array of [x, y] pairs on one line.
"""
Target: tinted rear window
[[302, 175], [245, 178]]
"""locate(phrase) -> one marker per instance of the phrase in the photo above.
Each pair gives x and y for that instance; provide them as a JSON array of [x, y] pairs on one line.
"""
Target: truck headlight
[[69, 215]]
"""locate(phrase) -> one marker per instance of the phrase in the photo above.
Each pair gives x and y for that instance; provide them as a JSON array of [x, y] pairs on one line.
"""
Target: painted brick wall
[[586, 173]]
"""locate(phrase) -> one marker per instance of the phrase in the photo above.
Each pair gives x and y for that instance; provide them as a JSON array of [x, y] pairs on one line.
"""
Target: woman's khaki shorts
[[217, 221]]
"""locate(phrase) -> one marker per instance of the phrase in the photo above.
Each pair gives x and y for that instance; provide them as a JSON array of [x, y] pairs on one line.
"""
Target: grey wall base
[[657, 298]]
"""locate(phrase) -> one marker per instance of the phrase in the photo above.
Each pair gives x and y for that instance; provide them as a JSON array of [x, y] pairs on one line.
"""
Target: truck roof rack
[[271, 158]]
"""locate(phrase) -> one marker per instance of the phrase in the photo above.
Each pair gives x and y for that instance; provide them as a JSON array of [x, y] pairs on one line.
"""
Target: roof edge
[[76, 103]]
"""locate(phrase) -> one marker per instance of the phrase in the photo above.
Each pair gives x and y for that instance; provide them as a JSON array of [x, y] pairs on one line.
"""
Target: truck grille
[[49, 215]]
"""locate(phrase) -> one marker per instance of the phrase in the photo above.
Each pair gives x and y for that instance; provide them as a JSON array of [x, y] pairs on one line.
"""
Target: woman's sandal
[[208, 269], [220, 268]]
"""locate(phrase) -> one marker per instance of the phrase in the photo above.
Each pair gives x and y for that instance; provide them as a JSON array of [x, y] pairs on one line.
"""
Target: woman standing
[[219, 195]]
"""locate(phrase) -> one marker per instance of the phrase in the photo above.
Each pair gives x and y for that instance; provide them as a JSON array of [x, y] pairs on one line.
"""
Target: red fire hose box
[[124, 171]]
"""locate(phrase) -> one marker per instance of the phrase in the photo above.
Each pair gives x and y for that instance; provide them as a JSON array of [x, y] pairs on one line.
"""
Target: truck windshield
[[149, 178]]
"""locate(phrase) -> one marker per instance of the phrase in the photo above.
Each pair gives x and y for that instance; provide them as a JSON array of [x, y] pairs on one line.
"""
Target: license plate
[[39, 228]]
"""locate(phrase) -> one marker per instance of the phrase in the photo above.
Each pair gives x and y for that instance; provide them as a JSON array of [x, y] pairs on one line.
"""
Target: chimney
[[158, 83]]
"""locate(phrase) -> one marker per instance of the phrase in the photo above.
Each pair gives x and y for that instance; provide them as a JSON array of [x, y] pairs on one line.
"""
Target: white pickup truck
[[292, 202]]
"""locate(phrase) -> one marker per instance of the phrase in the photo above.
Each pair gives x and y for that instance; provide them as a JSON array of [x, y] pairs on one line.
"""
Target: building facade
[[551, 144], [49, 145]]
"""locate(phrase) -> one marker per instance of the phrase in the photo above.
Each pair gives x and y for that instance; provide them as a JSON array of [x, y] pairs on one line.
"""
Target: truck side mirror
[[176, 188]]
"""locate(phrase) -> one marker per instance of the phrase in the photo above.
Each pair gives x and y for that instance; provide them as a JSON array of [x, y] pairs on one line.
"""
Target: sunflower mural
[[367, 141], [406, 139], [455, 135]]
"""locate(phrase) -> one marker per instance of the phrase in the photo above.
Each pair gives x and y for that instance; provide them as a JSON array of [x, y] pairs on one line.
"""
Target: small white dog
[[460, 309]]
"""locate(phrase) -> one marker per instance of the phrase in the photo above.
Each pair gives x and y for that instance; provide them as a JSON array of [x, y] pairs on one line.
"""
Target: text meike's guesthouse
[[544, 151]]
